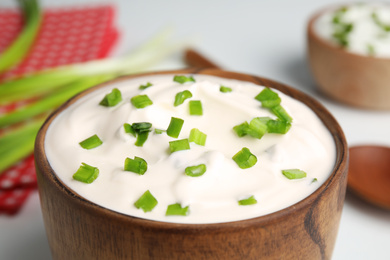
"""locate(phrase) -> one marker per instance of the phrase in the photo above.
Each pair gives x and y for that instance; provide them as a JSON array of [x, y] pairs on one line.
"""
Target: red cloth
[[67, 35]]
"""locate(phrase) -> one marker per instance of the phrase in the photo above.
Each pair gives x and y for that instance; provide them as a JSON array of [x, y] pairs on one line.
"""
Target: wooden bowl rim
[[311, 34], [339, 169]]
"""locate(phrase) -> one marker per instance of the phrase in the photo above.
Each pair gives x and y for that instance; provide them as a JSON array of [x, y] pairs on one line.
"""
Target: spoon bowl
[[369, 174]]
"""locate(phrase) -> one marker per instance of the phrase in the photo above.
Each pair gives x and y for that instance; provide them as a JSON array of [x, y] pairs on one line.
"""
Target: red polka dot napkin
[[67, 35]]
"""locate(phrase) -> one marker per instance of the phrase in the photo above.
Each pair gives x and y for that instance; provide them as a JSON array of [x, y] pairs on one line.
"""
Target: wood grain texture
[[79, 229], [353, 79]]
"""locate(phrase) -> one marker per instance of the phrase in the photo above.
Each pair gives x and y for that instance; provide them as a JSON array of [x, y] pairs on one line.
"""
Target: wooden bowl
[[354, 79], [79, 229]]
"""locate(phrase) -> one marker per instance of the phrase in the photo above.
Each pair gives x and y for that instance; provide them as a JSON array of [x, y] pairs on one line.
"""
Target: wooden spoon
[[369, 174]]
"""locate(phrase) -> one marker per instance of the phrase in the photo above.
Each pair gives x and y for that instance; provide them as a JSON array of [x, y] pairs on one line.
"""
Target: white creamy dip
[[212, 197], [370, 33]]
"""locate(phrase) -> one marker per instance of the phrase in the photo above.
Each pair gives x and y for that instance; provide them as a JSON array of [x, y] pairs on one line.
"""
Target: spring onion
[[140, 130], [141, 127], [146, 202], [293, 174], [224, 89], [136, 165], [245, 159], [174, 127], [278, 126], [196, 170], [129, 129], [141, 138], [268, 98], [183, 79], [181, 96], [197, 137], [241, 129], [258, 127], [86, 173], [176, 210], [147, 85], [249, 201], [281, 113], [314, 180], [141, 101], [16, 52], [179, 145], [381, 24], [196, 108], [91, 142], [341, 28], [159, 131], [112, 99]]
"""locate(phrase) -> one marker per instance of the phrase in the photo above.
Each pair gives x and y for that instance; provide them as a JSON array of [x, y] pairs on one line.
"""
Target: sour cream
[[212, 197], [368, 35]]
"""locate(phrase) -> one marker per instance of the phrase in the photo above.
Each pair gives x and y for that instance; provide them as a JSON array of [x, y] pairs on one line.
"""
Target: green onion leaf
[[196, 170], [281, 113], [196, 108], [381, 24], [268, 98], [314, 180], [141, 138], [137, 165], [278, 126], [147, 85], [146, 202], [176, 210], [91, 142], [293, 174], [224, 89], [245, 159], [141, 101], [241, 129], [86, 173], [141, 127], [179, 145], [174, 127], [258, 127], [181, 96], [183, 79], [129, 129], [159, 131], [112, 99], [249, 201], [197, 137]]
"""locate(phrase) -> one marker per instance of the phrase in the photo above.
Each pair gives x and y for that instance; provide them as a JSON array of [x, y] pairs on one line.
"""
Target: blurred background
[[265, 38]]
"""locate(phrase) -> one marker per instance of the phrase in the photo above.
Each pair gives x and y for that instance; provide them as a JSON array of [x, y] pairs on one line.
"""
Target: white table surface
[[259, 37]]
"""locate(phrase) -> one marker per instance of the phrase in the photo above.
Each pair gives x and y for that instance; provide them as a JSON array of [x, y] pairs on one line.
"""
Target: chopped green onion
[[249, 201], [112, 99], [196, 108], [179, 145], [241, 129], [141, 127], [381, 24], [159, 131], [141, 101], [174, 127], [314, 180], [245, 159], [281, 113], [129, 129], [278, 126], [137, 165], [146, 202], [224, 89], [196, 170], [197, 137], [147, 85], [91, 142], [268, 98], [293, 174], [176, 210], [183, 79], [181, 96], [141, 138], [86, 173], [258, 127]]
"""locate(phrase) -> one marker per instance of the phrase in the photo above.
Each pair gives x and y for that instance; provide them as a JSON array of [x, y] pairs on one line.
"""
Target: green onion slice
[[147, 85], [86, 173], [159, 131], [224, 89], [91, 142], [177, 210], [196, 108], [278, 126], [314, 180], [196, 170], [179, 145], [241, 129], [268, 98], [136, 165], [111, 99], [141, 101], [281, 113], [245, 159], [129, 129], [174, 127], [258, 127], [249, 201], [141, 138], [197, 137], [146, 202], [141, 127], [183, 79], [181, 96], [293, 174]]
